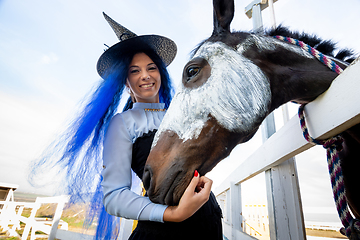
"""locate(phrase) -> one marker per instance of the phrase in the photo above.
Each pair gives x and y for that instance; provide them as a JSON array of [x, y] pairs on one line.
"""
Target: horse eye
[[191, 72]]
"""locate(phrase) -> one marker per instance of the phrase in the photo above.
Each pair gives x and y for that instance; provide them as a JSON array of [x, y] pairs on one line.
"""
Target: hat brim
[[163, 46]]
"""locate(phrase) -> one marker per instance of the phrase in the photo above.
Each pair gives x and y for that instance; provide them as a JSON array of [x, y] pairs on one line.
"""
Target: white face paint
[[237, 95]]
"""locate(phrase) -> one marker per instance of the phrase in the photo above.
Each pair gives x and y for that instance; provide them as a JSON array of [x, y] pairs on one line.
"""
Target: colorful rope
[[333, 146], [318, 55]]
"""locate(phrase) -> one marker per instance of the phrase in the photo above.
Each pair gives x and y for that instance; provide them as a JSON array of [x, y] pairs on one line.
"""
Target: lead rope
[[318, 55], [333, 146]]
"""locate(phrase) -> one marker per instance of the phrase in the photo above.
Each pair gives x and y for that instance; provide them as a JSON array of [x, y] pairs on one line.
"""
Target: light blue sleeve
[[119, 200]]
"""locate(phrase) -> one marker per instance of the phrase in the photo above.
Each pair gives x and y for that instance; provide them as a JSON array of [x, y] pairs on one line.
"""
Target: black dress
[[204, 224]]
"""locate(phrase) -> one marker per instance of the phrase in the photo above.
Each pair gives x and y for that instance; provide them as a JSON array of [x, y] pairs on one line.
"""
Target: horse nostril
[[147, 177]]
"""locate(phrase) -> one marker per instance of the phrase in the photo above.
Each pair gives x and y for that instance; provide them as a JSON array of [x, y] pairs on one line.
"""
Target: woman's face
[[144, 79]]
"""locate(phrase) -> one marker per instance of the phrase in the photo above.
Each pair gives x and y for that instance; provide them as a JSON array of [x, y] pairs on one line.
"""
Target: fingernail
[[196, 173]]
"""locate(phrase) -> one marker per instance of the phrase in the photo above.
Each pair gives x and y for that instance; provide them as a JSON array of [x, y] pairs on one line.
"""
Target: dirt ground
[[324, 233]]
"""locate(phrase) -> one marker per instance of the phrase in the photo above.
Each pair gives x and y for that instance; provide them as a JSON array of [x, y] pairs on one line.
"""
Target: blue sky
[[49, 51]]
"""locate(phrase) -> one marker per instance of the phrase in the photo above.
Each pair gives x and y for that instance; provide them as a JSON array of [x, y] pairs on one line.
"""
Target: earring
[[128, 90], [131, 94]]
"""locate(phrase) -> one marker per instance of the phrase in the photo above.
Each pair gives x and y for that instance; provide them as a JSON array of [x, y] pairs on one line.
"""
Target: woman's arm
[[119, 200]]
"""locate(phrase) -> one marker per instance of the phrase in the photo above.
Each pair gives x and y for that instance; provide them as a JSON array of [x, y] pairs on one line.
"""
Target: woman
[[128, 141], [137, 63], [126, 146], [143, 82]]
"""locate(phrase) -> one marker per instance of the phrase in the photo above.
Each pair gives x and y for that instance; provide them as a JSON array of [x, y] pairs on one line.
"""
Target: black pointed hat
[[163, 46]]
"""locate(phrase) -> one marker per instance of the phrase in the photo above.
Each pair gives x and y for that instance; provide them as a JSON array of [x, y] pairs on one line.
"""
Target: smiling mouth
[[147, 85]]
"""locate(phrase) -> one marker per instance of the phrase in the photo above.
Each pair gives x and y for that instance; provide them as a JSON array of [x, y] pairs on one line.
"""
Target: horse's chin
[[171, 197], [170, 191]]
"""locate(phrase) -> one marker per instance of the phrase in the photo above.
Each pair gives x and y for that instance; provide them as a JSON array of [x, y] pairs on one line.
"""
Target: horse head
[[233, 81]]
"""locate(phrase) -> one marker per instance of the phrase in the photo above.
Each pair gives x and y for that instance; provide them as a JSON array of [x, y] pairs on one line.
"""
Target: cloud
[[49, 58]]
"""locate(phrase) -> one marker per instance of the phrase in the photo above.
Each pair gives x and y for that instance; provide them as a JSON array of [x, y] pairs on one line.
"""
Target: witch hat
[[163, 46]]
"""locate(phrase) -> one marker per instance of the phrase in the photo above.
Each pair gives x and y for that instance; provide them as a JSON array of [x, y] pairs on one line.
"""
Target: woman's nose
[[145, 75]]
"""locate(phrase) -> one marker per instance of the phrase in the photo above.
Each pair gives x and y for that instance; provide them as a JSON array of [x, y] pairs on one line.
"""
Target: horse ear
[[223, 15]]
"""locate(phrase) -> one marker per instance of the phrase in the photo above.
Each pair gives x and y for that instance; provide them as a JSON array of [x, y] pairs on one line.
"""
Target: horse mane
[[327, 47]]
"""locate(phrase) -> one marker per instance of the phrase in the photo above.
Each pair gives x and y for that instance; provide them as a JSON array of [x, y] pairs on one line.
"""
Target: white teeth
[[147, 85]]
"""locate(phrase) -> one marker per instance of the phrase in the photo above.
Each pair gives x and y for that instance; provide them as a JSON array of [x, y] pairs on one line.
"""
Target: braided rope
[[321, 57], [333, 146]]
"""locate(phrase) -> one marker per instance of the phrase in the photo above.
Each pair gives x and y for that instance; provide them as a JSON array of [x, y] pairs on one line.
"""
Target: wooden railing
[[330, 114]]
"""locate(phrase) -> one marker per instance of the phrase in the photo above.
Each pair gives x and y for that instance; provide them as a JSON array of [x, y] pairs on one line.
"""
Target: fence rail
[[330, 114]]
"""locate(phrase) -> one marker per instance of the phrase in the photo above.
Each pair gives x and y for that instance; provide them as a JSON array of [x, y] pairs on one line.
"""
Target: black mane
[[326, 47]]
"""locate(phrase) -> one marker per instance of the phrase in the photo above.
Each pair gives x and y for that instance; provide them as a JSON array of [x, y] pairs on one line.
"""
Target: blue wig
[[80, 148]]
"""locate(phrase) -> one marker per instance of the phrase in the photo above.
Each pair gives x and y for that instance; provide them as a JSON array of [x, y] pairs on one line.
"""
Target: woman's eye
[[152, 67], [134, 71], [191, 72]]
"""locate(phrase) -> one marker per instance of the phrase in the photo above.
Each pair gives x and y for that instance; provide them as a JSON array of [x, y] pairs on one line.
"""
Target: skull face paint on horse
[[233, 81]]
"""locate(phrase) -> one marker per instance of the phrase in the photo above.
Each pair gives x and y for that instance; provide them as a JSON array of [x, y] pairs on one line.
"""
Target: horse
[[232, 83]]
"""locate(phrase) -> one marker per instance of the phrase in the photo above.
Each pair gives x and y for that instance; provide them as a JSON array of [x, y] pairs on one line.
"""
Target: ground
[[323, 233]]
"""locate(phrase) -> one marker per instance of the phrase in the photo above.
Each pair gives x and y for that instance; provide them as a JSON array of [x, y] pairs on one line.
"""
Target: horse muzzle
[[172, 161], [168, 188]]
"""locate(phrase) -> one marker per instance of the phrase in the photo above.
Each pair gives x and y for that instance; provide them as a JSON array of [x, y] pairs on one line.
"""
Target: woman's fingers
[[193, 183], [198, 190], [196, 194], [203, 188], [205, 182]]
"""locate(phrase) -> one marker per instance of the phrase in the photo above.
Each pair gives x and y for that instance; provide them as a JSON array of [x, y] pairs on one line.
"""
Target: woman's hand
[[195, 195]]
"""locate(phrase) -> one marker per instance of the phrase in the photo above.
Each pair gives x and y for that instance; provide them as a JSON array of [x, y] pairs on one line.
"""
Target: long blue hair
[[78, 152]]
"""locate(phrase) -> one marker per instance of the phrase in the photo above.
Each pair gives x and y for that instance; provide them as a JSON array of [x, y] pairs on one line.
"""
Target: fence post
[[227, 215], [284, 202], [236, 208], [286, 219]]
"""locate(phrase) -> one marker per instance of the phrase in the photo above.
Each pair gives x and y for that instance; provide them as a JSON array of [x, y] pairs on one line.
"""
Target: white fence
[[53, 228], [330, 114]]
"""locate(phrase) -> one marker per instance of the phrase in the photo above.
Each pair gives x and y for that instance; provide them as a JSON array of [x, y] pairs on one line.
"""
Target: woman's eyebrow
[[133, 66]]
